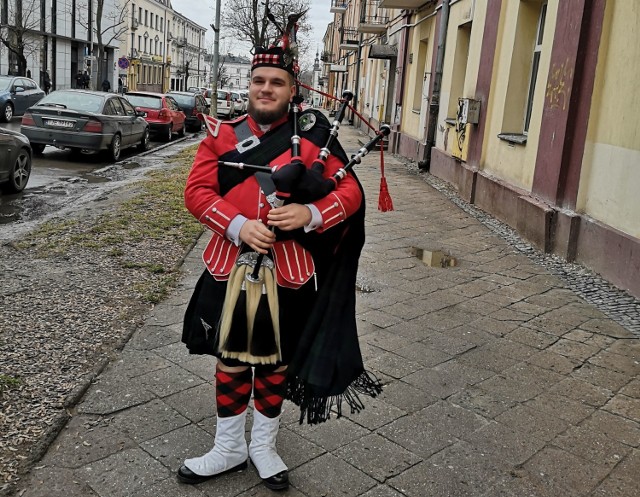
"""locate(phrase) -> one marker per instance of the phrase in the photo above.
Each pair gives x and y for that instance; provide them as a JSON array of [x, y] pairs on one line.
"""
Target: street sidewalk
[[499, 381]]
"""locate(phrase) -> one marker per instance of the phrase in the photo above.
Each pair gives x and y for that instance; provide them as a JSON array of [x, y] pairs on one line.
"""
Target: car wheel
[[116, 147], [7, 112], [183, 129], [37, 148], [19, 173], [168, 135], [144, 143]]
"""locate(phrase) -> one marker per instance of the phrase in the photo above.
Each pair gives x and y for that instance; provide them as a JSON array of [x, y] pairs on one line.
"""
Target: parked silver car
[[17, 94], [85, 120]]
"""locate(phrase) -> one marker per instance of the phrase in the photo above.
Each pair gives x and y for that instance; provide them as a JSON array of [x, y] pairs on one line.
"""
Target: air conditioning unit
[[134, 24], [169, 36]]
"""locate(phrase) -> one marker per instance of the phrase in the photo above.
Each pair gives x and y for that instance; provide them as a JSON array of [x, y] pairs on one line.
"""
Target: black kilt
[[202, 317]]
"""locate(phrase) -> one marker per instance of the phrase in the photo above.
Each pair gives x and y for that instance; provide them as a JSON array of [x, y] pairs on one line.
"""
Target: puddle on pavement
[[130, 165]]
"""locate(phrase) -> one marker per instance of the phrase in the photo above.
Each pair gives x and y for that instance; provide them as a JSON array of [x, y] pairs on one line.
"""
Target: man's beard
[[267, 116]]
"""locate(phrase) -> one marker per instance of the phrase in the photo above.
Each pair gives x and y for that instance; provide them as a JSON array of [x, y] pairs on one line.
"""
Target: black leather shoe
[[185, 475], [277, 482]]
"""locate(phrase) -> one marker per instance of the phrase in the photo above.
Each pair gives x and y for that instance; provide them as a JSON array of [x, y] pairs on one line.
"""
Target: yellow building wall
[[515, 164], [422, 38], [610, 177]]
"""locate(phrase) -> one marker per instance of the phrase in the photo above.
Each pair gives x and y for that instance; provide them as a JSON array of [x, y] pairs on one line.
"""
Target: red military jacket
[[215, 210]]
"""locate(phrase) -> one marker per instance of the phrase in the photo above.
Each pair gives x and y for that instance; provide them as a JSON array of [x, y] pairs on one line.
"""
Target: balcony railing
[[327, 57], [349, 39], [371, 20], [338, 6]]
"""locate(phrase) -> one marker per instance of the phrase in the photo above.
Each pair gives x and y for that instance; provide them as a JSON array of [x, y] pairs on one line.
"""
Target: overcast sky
[[202, 12]]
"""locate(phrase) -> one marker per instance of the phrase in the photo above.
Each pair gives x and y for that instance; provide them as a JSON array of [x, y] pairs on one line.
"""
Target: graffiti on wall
[[559, 85]]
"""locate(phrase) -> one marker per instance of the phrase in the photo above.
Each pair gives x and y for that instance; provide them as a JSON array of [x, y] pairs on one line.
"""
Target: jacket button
[[335, 204], [261, 205], [214, 209]]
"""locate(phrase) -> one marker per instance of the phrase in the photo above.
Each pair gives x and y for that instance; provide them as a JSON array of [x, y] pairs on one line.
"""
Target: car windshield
[[222, 95], [147, 101], [5, 83], [183, 99], [82, 102]]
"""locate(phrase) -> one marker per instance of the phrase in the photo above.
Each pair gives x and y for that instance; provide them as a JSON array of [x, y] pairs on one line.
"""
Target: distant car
[[15, 161], [226, 106], [238, 103], [191, 104], [85, 120], [161, 111], [17, 94], [197, 89]]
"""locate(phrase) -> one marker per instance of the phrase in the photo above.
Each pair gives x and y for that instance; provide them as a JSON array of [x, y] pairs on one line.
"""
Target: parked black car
[[191, 104], [17, 94], [15, 161], [85, 120]]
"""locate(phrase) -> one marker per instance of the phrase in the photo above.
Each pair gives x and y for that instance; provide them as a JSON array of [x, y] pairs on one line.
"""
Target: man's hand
[[257, 236], [289, 217]]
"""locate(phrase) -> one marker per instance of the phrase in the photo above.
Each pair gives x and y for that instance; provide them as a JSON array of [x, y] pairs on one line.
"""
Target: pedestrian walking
[[106, 85], [79, 80], [312, 256], [86, 80], [46, 82], [120, 85]]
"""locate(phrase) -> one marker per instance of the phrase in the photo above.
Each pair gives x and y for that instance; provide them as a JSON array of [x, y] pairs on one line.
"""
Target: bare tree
[[18, 34], [247, 20], [106, 26]]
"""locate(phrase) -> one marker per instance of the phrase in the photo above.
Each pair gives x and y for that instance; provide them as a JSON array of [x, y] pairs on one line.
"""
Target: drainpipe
[[356, 90], [434, 105]]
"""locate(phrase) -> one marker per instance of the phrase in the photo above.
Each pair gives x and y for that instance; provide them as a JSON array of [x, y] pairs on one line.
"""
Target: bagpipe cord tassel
[[385, 203]]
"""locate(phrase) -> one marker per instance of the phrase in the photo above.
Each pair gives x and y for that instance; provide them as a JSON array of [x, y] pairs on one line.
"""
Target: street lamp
[[213, 110]]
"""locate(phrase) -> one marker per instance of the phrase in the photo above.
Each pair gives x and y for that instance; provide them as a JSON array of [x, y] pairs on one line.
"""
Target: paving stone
[[379, 299], [86, 439], [574, 350], [385, 340], [617, 362], [570, 410], [393, 365], [553, 298], [232, 484], [170, 487], [195, 403], [150, 337], [436, 383], [332, 434], [578, 335], [511, 445], [377, 457], [451, 317], [561, 473], [509, 390], [135, 471], [134, 422], [491, 356], [478, 307], [51, 481], [382, 491], [406, 397], [168, 381], [132, 363], [459, 470], [528, 308], [113, 393], [453, 419], [447, 343], [455, 369], [329, 475], [624, 406], [549, 325], [425, 356], [632, 389], [591, 445], [601, 377], [376, 413], [552, 361], [404, 310], [532, 338], [482, 402], [600, 341], [583, 391], [474, 288], [606, 327], [615, 487], [470, 334], [517, 484], [413, 330], [380, 319], [629, 468], [203, 366], [261, 491], [615, 427], [538, 424], [417, 434], [494, 326], [630, 348], [537, 379], [294, 449]]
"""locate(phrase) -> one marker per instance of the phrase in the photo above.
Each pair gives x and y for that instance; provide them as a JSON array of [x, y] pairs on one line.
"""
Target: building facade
[[527, 107], [60, 37]]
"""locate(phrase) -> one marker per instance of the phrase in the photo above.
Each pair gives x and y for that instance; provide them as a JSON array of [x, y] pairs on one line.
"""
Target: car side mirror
[[141, 113]]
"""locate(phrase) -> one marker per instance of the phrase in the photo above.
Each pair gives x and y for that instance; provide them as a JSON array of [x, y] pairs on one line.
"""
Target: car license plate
[[59, 123]]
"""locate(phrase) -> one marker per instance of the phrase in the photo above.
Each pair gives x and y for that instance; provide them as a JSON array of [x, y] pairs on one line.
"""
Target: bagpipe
[[249, 326]]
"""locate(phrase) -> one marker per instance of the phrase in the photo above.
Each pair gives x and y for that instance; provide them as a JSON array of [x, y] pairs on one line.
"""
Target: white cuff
[[233, 231], [316, 219]]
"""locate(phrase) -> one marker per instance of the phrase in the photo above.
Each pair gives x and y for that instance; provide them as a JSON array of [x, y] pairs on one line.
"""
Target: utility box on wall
[[468, 111]]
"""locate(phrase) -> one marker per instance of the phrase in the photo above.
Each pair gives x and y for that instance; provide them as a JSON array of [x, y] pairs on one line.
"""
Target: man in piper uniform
[[310, 238]]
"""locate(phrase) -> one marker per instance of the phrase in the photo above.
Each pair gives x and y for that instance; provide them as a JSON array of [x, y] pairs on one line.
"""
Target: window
[[420, 93], [128, 108], [139, 43], [525, 60], [162, 24], [140, 15], [537, 49], [146, 17], [459, 73], [117, 107]]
